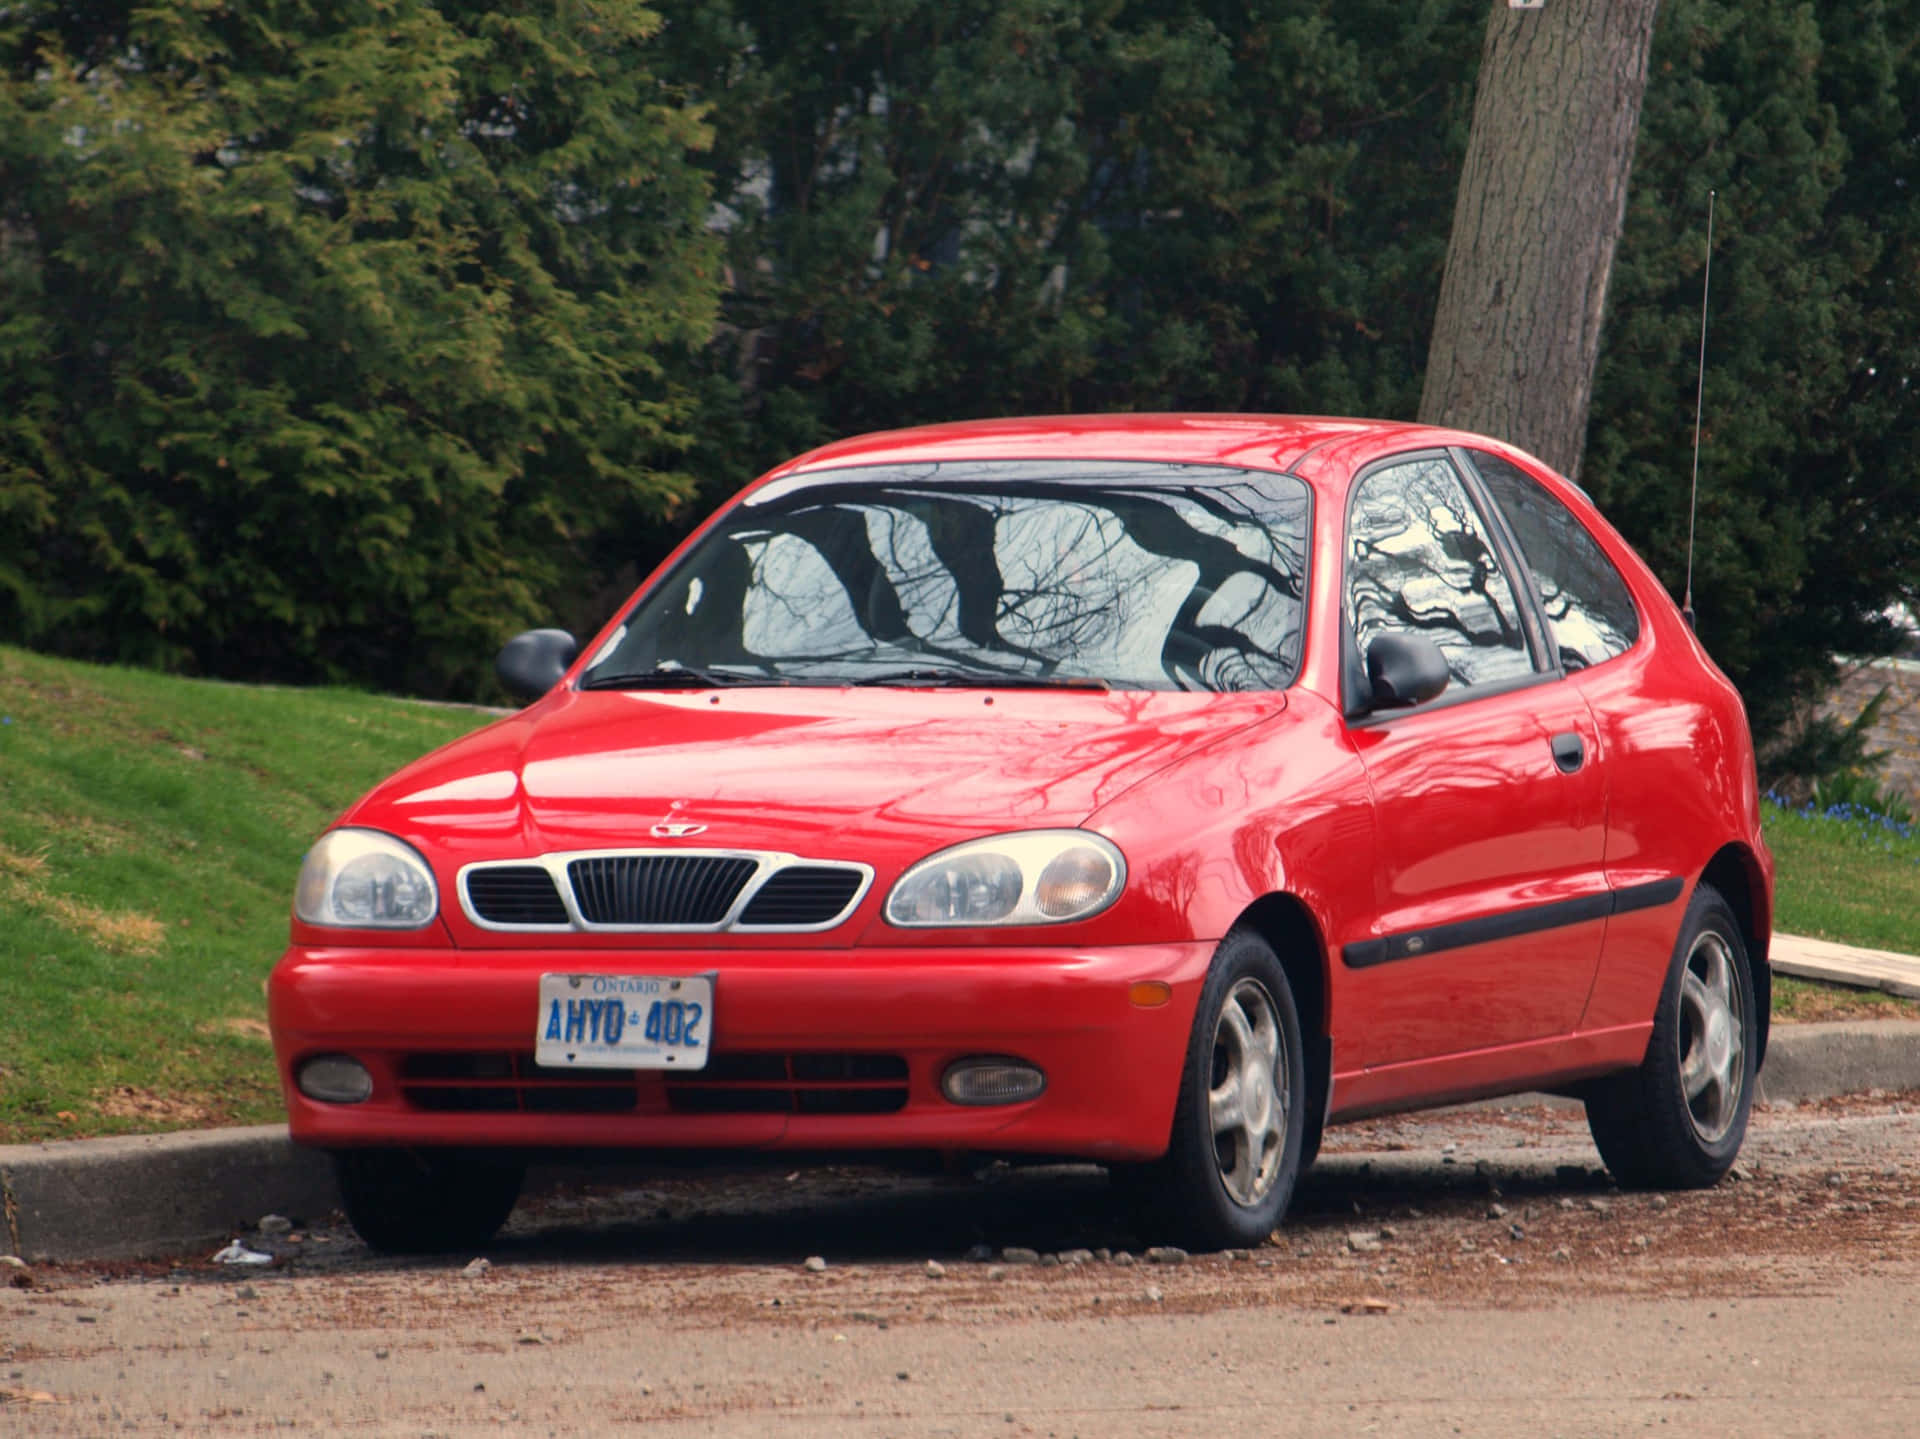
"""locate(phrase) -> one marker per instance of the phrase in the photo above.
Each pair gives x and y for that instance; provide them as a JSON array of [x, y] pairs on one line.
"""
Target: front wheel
[[1230, 1168], [1677, 1122], [420, 1201]]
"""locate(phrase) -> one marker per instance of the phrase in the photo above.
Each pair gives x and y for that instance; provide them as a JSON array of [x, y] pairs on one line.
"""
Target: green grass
[[1845, 876], [151, 829], [150, 832]]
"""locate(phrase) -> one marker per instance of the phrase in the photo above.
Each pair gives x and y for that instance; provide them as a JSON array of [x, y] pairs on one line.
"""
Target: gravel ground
[[1496, 1212]]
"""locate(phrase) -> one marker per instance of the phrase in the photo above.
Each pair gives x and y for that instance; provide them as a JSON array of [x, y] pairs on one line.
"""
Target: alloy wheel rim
[[1713, 1045], [1247, 1097]]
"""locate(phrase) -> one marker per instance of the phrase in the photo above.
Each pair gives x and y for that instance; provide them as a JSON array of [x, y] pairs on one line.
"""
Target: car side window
[[1419, 562], [1587, 603]]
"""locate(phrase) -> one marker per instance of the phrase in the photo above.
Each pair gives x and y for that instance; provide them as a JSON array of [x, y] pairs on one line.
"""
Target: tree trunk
[[1542, 198]]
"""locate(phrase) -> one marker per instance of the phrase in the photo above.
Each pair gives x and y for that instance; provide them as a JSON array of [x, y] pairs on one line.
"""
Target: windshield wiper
[[676, 677], [981, 679]]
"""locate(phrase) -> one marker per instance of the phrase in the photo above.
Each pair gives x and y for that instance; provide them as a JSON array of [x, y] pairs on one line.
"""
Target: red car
[[1149, 789]]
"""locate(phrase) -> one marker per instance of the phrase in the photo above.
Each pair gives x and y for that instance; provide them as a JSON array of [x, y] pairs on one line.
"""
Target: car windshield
[[1082, 574]]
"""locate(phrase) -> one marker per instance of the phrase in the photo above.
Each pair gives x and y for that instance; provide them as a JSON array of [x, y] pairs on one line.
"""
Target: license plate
[[624, 1021]]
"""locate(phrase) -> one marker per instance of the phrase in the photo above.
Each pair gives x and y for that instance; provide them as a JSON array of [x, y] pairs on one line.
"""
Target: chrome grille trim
[[766, 864]]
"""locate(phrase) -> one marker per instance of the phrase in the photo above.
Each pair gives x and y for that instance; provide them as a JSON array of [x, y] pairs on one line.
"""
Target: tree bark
[[1542, 199]]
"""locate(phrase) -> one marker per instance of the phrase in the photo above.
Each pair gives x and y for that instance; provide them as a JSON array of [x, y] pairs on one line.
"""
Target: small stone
[[1236, 1255], [902, 1375], [1166, 1254], [1049, 1261], [1566, 1203], [1659, 1201], [980, 1254], [936, 1270], [380, 1353], [1103, 1254], [477, 1268], [12, 1261], [1836, 1181], [1017, 1254], [274, 1224], [1387, 1231], [996, 1271], [1496, 1211], [1123, 1259], [815, 1264], [1563, 1255], [1153, 1294], [1516, 1231], [1076, 1256], [1363, 1241], [1640, 1241], [246, 1292], [1600, 1206]]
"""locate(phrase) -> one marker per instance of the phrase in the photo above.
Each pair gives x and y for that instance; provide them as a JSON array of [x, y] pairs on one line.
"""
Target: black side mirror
[[1404, 670], [532, 663]]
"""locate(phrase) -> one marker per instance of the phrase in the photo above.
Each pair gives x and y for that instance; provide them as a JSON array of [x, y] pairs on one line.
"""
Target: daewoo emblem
[[677, 831]]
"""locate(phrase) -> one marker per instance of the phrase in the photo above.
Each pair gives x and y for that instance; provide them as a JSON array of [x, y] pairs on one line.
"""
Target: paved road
[[1470, 1273]]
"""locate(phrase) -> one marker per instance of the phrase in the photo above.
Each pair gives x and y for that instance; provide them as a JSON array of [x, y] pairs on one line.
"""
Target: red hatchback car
[[1155, 790]]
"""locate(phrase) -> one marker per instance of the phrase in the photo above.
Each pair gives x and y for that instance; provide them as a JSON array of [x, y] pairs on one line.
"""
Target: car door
[[1490, 800]]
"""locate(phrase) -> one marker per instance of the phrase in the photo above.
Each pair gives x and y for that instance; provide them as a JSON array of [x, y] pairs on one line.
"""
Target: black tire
[[1230, 1189], [1653, 1133], [417, 1201]]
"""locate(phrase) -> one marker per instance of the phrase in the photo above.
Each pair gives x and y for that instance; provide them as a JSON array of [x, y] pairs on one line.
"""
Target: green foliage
[[1058, 205], [1817, 748], [1803, 119], [1055, 205], [335, 340], [344, 340]]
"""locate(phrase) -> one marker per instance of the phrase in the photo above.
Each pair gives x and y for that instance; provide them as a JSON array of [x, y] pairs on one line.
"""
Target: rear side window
[[1586, 601]]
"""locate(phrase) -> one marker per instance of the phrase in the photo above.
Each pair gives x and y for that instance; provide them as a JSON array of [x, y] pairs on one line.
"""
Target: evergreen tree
[[1804, 121], [334, 340]]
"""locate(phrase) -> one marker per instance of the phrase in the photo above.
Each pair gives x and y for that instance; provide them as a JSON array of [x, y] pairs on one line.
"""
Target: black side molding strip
[[1414, 943]]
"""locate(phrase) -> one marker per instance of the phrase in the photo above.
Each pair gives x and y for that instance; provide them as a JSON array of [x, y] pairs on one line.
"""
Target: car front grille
[[512, 1083], [662, 890], [658, 889], [521, 894]]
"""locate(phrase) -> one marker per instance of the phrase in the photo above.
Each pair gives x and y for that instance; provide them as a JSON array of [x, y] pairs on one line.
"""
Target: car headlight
[[363, 879], [1043, 876]]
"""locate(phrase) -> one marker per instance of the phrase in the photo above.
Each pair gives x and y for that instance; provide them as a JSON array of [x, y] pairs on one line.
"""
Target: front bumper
[[806, 1045]]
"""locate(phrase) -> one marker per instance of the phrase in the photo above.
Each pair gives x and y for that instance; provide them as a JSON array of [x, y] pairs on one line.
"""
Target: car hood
[[826, 773]]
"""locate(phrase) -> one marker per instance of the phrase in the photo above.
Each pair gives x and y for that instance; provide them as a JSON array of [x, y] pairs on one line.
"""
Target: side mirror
[[532, 663], [1404, 670]]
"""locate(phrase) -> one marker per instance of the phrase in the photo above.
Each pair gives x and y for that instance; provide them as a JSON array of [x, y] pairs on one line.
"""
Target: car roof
[[1268, 442]]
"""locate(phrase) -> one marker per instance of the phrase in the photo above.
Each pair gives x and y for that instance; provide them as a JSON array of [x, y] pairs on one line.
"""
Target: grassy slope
[[150, 831], [151, 828]]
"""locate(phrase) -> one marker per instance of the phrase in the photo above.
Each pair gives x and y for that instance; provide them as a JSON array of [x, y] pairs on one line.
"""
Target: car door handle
[[1569, 751]]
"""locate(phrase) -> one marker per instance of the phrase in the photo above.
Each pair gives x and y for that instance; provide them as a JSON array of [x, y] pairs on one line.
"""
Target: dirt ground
[[1462, 1272]]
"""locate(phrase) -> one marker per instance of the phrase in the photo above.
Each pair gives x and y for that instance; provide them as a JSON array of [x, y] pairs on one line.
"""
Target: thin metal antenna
[[1699, 399]]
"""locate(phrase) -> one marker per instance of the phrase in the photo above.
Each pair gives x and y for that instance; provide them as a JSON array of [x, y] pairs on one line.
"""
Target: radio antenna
[[1699, 399]]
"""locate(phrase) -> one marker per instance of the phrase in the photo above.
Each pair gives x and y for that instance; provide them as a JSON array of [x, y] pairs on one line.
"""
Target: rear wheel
[[1678, 1121], [419, 1201], [1229, 1170]]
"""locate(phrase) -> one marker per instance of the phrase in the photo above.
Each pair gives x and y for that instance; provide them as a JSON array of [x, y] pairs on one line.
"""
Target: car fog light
[[992, 1081], [335, 1079]]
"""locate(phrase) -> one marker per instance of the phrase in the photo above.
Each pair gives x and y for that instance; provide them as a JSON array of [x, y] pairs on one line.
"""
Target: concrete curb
[[169, 1194], [155, 1194]]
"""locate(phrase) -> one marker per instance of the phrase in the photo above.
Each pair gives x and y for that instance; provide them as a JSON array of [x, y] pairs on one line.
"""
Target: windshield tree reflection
[[1142, 576]]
